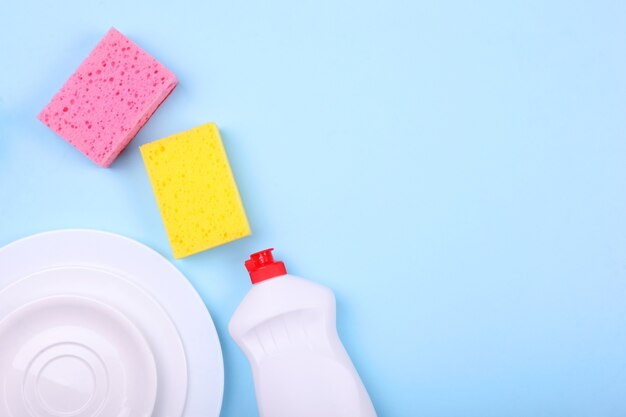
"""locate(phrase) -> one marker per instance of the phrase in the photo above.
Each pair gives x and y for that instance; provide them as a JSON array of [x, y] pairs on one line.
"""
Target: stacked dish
[[96, 324]]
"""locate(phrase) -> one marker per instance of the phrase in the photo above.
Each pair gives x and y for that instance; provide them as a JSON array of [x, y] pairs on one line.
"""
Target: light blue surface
[[456, 172]]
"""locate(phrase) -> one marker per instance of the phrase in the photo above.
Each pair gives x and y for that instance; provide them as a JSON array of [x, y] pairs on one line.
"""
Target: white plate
[[73, 356], [135, 303], [73, 251]]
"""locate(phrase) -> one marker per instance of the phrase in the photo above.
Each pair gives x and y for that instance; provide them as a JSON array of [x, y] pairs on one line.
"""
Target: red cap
[[262, 266]]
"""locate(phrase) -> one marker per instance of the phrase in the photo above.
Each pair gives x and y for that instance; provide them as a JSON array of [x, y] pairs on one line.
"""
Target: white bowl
[[73, 356]]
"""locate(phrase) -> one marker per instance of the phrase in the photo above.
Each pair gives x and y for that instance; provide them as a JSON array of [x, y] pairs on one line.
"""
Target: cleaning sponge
[[195, 190], [109, 98]]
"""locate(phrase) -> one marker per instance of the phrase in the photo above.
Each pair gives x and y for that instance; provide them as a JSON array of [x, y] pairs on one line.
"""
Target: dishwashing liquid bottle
[[286, 327]]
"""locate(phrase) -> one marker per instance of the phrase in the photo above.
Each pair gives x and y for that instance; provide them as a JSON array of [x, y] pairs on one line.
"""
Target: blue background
[[455, 172]]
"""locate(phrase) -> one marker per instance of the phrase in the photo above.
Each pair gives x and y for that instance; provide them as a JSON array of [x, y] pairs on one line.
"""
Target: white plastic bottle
[[286, 327]]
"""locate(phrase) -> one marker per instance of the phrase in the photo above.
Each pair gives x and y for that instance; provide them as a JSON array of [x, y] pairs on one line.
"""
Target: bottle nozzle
[[262, 266]]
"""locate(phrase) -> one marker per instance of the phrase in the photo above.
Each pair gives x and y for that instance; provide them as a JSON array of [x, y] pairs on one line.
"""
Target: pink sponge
[[109, 98]]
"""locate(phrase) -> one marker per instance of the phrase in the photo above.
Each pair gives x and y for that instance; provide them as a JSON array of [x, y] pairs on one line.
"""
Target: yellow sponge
[[195, 190]]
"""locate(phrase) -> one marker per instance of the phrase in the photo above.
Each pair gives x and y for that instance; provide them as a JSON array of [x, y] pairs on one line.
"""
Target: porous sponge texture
[[195, 190], [112, 94]]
